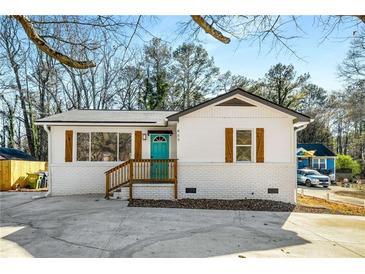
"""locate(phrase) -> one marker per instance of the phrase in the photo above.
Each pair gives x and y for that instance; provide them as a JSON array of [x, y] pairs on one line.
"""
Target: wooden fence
[[14, 172]]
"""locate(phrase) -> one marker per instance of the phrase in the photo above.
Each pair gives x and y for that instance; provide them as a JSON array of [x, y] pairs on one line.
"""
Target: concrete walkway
[[321, 192], [89, 226]]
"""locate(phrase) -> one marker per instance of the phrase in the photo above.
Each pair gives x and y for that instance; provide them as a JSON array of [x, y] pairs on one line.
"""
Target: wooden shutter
[[138, 145], [260, 145], [229, 145], [68, 145]]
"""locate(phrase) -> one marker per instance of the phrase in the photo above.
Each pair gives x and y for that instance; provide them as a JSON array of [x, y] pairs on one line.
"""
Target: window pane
[[315, 163], [103, 146], [243, 153], [82, 146], [125, 140], [243, 137], [323, 163]]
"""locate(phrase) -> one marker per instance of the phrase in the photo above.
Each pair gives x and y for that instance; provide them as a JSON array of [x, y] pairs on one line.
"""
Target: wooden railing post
[[130, 180], [107, 183], [175, 178]]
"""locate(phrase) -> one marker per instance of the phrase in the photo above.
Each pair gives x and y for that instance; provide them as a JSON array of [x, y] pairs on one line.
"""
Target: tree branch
[[361, 17], [209, 29], [43, 46]]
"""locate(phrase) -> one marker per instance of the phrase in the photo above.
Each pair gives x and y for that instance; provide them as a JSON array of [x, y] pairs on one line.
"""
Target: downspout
[[296, 130], [49, 182]]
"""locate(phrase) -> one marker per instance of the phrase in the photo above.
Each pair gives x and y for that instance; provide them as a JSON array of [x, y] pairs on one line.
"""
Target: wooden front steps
[[143, 171]]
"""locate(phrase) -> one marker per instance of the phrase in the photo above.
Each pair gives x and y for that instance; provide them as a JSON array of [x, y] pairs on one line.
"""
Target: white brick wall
[[70, 179], [148, 191], [212, 181], [237, 181]]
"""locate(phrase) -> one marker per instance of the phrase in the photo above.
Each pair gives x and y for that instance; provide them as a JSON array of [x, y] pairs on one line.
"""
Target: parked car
[[311, 177]]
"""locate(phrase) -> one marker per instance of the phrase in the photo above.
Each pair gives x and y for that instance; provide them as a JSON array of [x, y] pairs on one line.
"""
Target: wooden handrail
[[117, 167], [141, 171]]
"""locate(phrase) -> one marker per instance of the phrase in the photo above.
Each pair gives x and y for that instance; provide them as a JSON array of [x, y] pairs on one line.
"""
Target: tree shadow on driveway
[[89, 226]]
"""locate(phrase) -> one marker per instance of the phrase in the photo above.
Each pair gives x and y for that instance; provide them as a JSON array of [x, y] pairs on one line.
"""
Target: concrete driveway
[[321, 192], [89, 226]]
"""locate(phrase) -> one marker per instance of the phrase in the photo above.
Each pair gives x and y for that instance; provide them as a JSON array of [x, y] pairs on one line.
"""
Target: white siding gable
[[261, 110], [201, 133]]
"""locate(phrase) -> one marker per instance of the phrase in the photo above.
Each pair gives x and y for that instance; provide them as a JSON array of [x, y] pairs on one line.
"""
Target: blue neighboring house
[[14, 154], [316, 156]]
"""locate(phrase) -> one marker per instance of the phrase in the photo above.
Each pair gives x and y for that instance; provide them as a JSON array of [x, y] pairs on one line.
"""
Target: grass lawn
[[323, 206]]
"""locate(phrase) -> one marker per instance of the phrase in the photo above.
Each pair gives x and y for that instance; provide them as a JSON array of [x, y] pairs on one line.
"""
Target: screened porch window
[[243, 145], [103, 146]]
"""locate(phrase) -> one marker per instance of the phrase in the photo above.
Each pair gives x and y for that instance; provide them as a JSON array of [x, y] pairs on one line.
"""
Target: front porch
[[141, 171]]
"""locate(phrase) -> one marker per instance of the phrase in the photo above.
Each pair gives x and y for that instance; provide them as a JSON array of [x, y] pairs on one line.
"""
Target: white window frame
[[96, 131], [318, 160], [253, 145]]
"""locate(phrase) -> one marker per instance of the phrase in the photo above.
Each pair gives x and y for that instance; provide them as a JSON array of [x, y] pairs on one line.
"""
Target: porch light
[[144, 136]]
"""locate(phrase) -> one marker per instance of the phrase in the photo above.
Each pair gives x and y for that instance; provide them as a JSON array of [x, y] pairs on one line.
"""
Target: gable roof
[[81, 116], [235, 102], [14, 154], [320, 149], [301, 117]]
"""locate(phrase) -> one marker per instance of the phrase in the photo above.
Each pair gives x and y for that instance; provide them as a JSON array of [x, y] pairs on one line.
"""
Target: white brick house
[[234, 146]]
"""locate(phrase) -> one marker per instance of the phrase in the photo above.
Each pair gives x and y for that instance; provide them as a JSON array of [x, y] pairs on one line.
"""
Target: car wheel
[[308, 183], [325, 186]]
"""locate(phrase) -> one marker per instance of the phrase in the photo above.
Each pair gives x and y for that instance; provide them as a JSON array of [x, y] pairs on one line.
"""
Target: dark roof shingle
[[14, 154]]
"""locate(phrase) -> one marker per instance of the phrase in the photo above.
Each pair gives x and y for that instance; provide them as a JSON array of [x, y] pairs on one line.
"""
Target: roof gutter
[[152, 124]]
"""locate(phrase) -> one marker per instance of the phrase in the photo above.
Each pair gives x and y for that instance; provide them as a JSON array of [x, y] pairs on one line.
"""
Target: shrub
[[346, 162]]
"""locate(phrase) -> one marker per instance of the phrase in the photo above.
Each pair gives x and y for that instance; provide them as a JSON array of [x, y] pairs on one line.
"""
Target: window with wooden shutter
[[68, 145], [229, 145], [244, 145], [138, 145], [260, 145]]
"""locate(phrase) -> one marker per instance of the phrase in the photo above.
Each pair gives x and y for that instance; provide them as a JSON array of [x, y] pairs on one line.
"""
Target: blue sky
[[320, 59]]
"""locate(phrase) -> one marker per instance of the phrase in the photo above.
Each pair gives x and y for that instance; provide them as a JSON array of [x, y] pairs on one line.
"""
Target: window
[[125, 141], [83, 142], [159, 139], [319, 163], [103, 146], [243, 145]]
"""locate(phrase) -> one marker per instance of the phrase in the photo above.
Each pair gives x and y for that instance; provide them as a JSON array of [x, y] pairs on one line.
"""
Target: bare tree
[[352, 68], [195, 74], [35, 30], [259, 28], [16, 55], [8, 113]]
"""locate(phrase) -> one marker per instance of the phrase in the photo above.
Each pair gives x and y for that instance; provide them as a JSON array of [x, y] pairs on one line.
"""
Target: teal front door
[[159, 150]]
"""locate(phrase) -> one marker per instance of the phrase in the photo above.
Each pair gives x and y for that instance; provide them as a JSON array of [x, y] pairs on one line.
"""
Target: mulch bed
[[246, 204], [249, 204]]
